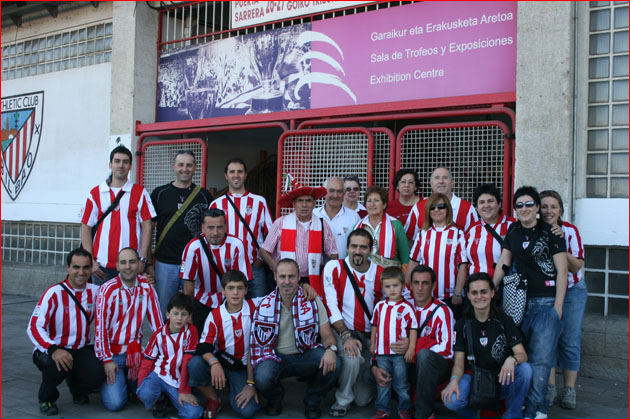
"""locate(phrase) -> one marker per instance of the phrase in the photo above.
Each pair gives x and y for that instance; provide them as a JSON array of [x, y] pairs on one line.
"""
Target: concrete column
[[134, 69], [544, 97]]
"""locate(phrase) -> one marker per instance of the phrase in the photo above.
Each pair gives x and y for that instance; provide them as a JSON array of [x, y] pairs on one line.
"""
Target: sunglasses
[[528, 204], [352, 189], [440, 206]]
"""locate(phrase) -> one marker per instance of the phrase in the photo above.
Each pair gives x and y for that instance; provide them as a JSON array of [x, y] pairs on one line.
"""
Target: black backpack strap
[[108, 211], [355, 286], [495, 234], [209, 255], [240, 216], [471, 355], [426, 321], [76, 301]]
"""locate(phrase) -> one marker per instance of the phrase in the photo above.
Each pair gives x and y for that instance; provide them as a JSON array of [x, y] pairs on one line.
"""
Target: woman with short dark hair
[[406, 183]]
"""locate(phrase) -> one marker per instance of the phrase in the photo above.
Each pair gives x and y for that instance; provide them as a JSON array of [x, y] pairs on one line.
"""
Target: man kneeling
[[284, 343]]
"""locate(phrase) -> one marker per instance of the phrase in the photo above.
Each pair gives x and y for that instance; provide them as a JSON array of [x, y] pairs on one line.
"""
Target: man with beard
[[343, 278]]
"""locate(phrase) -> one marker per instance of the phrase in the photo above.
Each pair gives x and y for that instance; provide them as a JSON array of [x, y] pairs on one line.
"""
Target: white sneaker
[[540, 415]]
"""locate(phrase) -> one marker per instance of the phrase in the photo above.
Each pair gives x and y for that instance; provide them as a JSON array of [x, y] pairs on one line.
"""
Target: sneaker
[[552, 393], [159, 409], [405, 414], [213, 408], [338, 410], [48, 408], [568, 398], [80, 399], [380, 414], [540, 415]]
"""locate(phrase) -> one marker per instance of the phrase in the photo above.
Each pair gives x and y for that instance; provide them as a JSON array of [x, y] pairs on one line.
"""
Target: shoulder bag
[[484, 385], [355, 286], [176, 216], [214, 265], [240, 216]]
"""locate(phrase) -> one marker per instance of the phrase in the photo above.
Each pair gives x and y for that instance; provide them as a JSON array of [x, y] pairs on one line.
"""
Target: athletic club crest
[[483, 341], [263, 332], [21, 131], [238, 333]]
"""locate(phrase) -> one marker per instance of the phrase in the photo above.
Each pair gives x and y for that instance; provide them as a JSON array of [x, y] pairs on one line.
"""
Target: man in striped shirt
[[60, 330], [128, 225], [202, 277], [254, 210], [122, 304], [349, 320], [434, 348], [464, 214]]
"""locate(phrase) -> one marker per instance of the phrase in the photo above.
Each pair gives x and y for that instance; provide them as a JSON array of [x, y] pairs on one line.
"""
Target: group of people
[[361, 296]]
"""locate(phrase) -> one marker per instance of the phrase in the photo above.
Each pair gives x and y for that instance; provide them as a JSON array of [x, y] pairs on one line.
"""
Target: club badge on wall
[[21, 119]]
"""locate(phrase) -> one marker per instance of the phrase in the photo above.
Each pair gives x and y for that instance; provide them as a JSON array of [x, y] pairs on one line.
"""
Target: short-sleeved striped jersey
[[392, 320], [482, 249], [168, 351], [575, 248]]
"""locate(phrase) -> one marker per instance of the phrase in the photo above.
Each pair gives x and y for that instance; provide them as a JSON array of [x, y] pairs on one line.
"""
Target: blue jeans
[[267, 375], [152, 387], [568, 354], [110, 273], [257, 287], [541, 328], [167, 282], [395, 365], [199, 375], [515, 394], [114, 395]]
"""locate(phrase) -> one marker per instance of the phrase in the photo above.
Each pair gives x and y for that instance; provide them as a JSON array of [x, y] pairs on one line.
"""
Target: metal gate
[[309, 157], [474, 152]]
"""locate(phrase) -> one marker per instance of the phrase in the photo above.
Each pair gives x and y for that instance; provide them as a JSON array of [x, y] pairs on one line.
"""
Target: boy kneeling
[[164, 368], [223, 355]]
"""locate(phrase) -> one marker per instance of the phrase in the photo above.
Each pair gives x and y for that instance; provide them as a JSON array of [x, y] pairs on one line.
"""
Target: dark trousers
[[87, 374], [431, 371], [200, 313]]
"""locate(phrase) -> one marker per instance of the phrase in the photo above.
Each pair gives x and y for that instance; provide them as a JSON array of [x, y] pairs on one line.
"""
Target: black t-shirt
[[533, 249], [167, 199], [492, 340]]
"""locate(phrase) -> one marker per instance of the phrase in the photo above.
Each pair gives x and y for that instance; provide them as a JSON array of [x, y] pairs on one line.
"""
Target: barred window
[[606, 274], [607, 125], [66, 50]]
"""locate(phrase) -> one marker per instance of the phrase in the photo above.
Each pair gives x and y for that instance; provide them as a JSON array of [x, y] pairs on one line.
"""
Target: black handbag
[[228, 361], [484, 385]]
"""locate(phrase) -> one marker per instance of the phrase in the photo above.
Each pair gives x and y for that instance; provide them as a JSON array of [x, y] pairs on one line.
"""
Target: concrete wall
[[544, 97]]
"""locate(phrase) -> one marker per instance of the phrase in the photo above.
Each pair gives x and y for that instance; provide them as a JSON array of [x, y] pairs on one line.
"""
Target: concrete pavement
[[20, 383]]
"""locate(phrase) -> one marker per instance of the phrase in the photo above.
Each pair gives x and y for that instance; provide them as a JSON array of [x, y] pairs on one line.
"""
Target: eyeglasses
[[440, 206], [528, 204], [348, 189], [214, 213]]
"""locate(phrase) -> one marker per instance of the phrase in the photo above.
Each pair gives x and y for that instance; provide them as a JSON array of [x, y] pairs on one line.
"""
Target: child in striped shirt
[[393, 319]]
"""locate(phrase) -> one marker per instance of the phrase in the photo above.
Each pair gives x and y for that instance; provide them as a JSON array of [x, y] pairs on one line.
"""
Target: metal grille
[[474, 155], [205, 21], [383, 140], [158, 161], [312, 158], [39, 242]]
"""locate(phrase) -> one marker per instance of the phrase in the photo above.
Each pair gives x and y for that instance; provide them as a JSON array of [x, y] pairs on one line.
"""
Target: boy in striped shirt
[[223, 355], [393, 319], [164, 368]]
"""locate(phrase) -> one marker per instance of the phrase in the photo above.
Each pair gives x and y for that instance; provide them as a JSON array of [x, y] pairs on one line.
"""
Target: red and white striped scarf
[[266, 325], [386, 237], [288, 244]]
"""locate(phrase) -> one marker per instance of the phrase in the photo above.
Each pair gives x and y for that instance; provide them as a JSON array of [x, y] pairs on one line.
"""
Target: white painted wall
[[73, 152], [602, 221]]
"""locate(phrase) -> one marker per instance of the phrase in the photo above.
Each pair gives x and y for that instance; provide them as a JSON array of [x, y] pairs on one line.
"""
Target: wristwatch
[[332, 348], [142, 260]]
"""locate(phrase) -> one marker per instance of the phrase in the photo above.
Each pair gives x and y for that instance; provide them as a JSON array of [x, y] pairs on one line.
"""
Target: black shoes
[[80, 399], [48, 408], [273, 408], [312, 412]]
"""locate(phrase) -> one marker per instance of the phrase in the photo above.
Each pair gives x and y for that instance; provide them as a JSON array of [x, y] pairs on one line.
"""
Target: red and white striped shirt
[[254, 210], [575, 248], [230, 331], [121, 228], [229, 255], [119, 315], [392, 320], [340, 298], [464, 215], [58, 320], [168, 352], [272, 243], [482, 249], [442, 249], [439, 331]]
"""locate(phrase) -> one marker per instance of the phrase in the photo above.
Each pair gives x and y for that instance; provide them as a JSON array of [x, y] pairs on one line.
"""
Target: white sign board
[[247, 13]]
